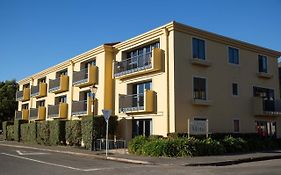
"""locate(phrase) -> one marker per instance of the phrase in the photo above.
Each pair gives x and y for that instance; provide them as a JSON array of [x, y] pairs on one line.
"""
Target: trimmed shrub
[[29, 133], [4, 127], [234, 145], [95, 127], [57, 132], [135, 145], [73, 133], [17, 126], [43, 133], [10, 132]]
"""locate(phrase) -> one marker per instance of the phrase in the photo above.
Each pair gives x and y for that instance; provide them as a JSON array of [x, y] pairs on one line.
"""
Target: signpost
[[198, 127], [106, 115]]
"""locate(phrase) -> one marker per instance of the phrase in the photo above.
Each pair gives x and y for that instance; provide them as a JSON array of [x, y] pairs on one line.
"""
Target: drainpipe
[[71, 90], [168, 79]]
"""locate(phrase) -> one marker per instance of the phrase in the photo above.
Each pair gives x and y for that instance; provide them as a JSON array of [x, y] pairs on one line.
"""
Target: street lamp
[[93, 95], [94, 90]]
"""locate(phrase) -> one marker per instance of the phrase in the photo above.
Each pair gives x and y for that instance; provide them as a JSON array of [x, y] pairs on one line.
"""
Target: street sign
[[198, 127], [106, 114]]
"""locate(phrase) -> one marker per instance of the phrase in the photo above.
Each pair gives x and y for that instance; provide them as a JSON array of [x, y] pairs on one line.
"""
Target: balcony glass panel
[[33, 114], [80, 77], [132, 102], [54, 85], [79, 107], [34, 91], [133, 64], [53, 111]]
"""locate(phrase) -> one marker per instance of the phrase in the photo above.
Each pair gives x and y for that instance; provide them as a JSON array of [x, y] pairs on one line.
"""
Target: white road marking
[[54, 164], [24, 153]]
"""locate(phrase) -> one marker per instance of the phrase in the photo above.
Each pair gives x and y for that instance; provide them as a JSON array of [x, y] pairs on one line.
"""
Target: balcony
[[138, 103], [83, 107], [264, 75], [58, 111], [22, 115], [141, 64], [37, 113], [200, 62], [39, 90], [266, 108], [59, 85], [86, 77], [23, 95]]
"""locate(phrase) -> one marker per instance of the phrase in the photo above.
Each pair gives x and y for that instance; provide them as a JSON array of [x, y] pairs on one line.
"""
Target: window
[[24, 106], [62, 72], [233, 55], [142, 127], [60, 99], [198, 48], [234, 89], [262, 64], [86, 64], [199, 88], [236, 127], [40, 103], [41, 80], [266, 128]]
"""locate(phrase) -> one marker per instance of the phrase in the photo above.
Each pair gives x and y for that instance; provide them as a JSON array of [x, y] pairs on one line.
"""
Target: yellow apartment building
[[159, 81]]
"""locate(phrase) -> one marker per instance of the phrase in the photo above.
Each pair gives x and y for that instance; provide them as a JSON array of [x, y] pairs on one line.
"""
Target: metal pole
[[188, 127], [106, 142], [207, 128]]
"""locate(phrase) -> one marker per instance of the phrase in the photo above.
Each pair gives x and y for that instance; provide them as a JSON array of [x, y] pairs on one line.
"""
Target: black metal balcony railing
[[80, 77], [54, 84], [79, 107], [272, 106], [199, 95], [34, 91], [133, 64], [19, 95], [33, 113], [18, 115], [53, 111], [132, 102]]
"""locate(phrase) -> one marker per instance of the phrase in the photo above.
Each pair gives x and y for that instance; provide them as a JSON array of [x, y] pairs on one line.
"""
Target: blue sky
[[37, 34]]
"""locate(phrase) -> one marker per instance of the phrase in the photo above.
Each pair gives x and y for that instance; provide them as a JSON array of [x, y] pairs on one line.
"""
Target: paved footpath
[[120, 156]]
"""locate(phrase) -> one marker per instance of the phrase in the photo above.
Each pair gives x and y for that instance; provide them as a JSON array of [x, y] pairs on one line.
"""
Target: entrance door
[[142, 127]]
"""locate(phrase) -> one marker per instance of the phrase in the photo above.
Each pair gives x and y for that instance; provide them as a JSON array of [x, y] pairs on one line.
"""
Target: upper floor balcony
[[86, 77], [58, 111], [140, 64], [22, 115], [138, 103], [23, 95], [266, 108], [37, 113], [59, 85], [39, 90], [84, 107]]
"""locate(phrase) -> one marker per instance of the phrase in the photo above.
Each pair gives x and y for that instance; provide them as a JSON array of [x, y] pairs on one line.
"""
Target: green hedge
[[4, 127], [182, 146], [10, 132], [57, 132], [73, 133], [43, 133], [95, 127], [28, 132], [17, 129]]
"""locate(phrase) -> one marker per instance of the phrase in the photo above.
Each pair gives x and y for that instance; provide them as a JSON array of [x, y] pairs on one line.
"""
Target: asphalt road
[[14, 161]]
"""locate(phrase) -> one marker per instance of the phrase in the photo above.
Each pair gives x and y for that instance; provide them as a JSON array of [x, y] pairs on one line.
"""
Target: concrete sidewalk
[[220, 160]]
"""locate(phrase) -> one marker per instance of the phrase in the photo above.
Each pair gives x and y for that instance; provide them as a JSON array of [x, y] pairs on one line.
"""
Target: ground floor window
[[266, 128], [142, 127], [236, 126]]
